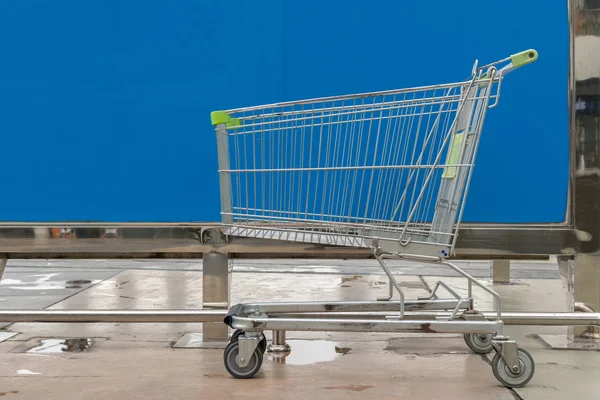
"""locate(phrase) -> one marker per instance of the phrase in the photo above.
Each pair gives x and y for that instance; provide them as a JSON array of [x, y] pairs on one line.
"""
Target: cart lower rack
[[389, 171]]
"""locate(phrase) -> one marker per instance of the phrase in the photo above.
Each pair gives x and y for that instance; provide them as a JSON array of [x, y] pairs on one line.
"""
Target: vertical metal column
[[278, 345], [224, 177], [583, 271], [215, 271], [3, 261], [215, 288], [581, 279], [501, 271], [586, 296]]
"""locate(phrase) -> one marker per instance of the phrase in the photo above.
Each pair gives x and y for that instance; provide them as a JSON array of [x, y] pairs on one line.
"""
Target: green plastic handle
[[523, 58], [221, 117]]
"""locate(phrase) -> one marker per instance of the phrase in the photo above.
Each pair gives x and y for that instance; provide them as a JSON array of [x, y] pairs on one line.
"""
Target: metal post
[[279, 345], [586, 295], [501, 271], [215, 287], [580, 276], [3, 261]]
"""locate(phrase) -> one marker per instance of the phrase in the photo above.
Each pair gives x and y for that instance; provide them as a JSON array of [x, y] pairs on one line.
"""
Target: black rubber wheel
[[509, 378], [262, 345], [235, 335], [229, 357], [480, 343]]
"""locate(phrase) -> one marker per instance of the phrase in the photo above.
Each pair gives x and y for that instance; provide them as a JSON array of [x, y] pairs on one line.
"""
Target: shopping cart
[[389, 171]]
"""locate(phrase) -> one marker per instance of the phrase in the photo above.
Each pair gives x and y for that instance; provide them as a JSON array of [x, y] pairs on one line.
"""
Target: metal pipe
[[100, 316], [175, 316], [342, 306], [356, 325], [509, 318], [546, 318], [279, 345], [3, 262]]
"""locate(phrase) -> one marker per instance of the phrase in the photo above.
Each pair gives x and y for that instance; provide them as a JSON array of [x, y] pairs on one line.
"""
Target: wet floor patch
[[6, 335], [74, 345], [352, 388], [306, 352], [44, 282], [346, 279], [79, 282], [431, 346]]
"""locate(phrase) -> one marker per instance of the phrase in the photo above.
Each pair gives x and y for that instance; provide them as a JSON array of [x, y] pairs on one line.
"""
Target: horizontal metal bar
[[192, 316], [341, 306], [100, 316], [356, 95], [292, 123], [347, 168], [335, 110], [548, 319], [343, 325], [17, 240], [509, 318]]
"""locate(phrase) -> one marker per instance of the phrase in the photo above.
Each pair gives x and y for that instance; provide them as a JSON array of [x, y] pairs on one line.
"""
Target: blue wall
[[104, 106]]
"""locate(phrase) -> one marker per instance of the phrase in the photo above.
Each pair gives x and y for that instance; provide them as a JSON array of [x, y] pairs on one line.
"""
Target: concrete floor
[[137, 361]]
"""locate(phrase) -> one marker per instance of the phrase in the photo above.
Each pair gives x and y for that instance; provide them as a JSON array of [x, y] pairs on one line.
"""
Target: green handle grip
[[523, 58], [221, 117]]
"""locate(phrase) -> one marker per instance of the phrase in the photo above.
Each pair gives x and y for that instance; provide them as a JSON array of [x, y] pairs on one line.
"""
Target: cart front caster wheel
[[235, 335], [480, 343], [262, 344], [508, 378], [229, 357]]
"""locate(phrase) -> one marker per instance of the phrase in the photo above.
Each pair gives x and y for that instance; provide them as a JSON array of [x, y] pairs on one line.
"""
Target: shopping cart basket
[[388, 171]]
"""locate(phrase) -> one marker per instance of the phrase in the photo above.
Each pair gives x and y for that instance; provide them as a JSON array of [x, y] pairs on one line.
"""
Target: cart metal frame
[[293, 171]]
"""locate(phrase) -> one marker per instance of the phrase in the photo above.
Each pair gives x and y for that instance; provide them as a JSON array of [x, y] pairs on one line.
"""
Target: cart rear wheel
[[508, 378], [480, 343], [229, 357]]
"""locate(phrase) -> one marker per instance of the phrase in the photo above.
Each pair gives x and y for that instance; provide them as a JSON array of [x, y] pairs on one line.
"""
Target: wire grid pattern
[[341, 169]]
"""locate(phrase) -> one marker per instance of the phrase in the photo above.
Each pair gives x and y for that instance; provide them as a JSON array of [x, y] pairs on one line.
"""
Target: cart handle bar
[[516, 60], [523, 58]]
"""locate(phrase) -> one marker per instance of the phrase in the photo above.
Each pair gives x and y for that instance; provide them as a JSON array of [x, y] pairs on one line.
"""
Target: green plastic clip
[[453, 154], [221, 117], [523, 58]]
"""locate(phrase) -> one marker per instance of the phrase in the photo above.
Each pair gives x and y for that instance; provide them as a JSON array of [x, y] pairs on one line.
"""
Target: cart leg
[[496, 296], [278, 345], [390, 293], [393, 283]]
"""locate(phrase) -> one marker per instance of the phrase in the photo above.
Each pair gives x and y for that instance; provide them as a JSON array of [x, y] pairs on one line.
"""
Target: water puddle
[[306, 352], [45, 282], [77, 345], [350, 278], [27, 372], [79, 282]]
